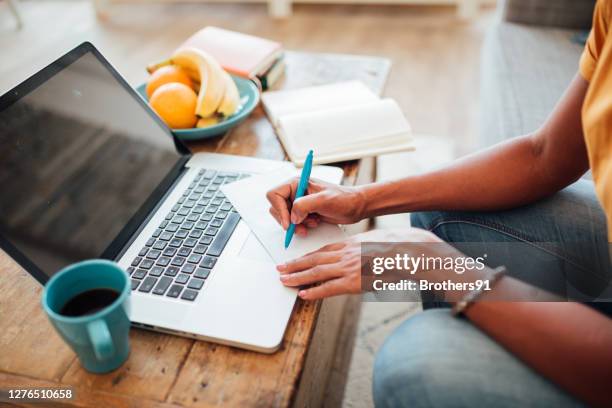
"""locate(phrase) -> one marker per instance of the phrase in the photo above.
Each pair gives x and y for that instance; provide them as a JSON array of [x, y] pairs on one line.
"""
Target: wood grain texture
[[164, 368], [434, 80]]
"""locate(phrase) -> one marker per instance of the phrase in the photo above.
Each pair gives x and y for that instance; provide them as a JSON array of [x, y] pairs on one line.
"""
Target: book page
[[343, 129], [316, 98]]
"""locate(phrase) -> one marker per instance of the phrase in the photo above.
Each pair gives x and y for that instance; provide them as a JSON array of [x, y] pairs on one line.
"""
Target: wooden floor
[[435, 57]]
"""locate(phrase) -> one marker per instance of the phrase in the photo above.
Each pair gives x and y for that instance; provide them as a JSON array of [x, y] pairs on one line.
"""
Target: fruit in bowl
[[190, 89]]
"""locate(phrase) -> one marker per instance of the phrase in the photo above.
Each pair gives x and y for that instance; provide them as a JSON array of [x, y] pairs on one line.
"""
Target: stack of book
[[243, 55]]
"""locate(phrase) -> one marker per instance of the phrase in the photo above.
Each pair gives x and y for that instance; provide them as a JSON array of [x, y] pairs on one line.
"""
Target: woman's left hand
[[336, 268]]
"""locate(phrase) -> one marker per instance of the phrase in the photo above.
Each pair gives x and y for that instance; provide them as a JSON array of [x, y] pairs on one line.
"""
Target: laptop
[[88, 170]]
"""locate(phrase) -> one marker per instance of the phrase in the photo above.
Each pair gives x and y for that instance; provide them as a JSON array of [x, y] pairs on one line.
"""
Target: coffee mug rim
[[81, 319]]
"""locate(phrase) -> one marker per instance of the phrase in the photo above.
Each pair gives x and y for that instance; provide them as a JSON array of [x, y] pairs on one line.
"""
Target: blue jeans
[[436, 360]]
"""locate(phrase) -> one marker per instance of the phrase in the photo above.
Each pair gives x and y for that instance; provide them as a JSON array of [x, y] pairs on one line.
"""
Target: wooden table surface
[[165, 370]]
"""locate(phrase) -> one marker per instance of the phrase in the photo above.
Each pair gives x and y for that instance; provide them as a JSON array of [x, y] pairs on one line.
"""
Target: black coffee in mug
[[89, 302]]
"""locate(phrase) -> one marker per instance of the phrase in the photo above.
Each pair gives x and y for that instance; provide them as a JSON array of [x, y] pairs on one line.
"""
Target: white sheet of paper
[[248, 196]]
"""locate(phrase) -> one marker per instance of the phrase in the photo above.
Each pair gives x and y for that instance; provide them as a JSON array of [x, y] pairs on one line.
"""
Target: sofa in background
[[529, 57]]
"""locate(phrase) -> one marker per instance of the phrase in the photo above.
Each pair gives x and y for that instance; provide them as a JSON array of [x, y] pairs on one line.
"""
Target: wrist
[[388, 197], [360, 199]]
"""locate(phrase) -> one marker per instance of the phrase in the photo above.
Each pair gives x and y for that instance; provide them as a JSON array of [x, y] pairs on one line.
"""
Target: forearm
[[504, 176], [510, 174], [568, 343]]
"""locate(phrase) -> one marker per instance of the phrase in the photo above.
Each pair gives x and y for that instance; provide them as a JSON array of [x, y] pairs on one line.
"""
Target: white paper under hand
[[248, 196]]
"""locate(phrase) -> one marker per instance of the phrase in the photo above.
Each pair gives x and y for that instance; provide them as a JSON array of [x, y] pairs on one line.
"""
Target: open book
[[341, 121]]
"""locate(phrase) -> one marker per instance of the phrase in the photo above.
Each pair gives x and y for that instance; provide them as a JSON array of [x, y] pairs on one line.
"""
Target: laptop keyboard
[[178, 258]]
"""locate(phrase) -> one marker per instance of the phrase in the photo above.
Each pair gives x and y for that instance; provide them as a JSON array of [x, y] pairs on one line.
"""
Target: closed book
[[240, 54], [273, 74]]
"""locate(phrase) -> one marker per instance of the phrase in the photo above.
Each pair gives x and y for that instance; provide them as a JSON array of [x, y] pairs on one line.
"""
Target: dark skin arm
[[517, 172], [513, 173], [569, 343]]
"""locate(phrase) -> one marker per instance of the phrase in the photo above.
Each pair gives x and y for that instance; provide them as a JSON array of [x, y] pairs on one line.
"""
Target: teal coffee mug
[[88, 304]]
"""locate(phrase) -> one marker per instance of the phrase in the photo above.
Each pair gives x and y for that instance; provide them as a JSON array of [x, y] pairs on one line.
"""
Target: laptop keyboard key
[[153, 254], [195, 234], [184, 251], [195, 258], [212, 231], [172, 227], [206, 240], [175, 291], [193, 217], [195, 284], [166, 236], [182, 233], [150, 242], [143, 251], [160, 245], [162, 285], [189, 294], [157, 233], [200, 249], [163, 261], [190, 242], [225, 232], [135, 284], [178, 261], [202, 273], [147, 284], [139, 274], [182, 279], [208, 262], [206, 217], [156, 271], [188, 268], [130, 270], [146, 264], [136, 261], [171, 271], [169, 251], [216, 223], [176, 242]]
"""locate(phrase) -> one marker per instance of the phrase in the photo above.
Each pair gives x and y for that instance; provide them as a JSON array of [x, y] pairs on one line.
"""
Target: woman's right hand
[[323, 202]]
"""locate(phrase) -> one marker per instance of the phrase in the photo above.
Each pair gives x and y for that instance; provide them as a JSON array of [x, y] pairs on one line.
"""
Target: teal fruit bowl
[[249, 98]]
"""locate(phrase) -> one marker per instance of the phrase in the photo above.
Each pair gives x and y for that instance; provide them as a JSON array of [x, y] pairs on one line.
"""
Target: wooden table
[[165, 370]]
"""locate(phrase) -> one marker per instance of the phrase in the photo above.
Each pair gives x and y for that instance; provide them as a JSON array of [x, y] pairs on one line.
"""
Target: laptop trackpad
[[253, 250]]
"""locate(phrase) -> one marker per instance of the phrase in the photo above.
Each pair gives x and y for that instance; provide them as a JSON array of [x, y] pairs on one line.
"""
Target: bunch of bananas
[[217, 94]]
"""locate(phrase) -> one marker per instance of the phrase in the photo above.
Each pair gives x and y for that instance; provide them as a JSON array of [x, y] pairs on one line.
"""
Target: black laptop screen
[[79, 157]]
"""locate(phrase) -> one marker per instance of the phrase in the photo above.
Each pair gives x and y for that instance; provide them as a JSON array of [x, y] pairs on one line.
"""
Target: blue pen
[[301, 190]]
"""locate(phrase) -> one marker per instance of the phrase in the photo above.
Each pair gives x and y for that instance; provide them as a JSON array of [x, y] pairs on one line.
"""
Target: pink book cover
[[240, 54]]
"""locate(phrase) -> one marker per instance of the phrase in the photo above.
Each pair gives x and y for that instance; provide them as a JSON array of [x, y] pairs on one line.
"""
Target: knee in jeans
[[406, 369]]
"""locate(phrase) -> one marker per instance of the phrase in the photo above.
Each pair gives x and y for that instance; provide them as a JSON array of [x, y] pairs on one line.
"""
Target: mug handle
[[101, 339]]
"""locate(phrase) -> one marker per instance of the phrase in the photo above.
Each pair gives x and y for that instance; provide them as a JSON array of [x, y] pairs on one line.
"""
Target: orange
[[165, 75], [175, 103]]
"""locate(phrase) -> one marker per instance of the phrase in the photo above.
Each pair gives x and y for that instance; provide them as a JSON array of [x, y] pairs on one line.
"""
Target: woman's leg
[[559, 244], [436, 360]]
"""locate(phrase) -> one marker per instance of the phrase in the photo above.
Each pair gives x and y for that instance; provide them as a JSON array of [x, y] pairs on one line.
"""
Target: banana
[[151, 68], [211, 78], [205, 122], [231, 99]]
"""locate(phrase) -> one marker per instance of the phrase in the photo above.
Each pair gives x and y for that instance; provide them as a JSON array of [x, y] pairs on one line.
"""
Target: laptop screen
[[79, 157]]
